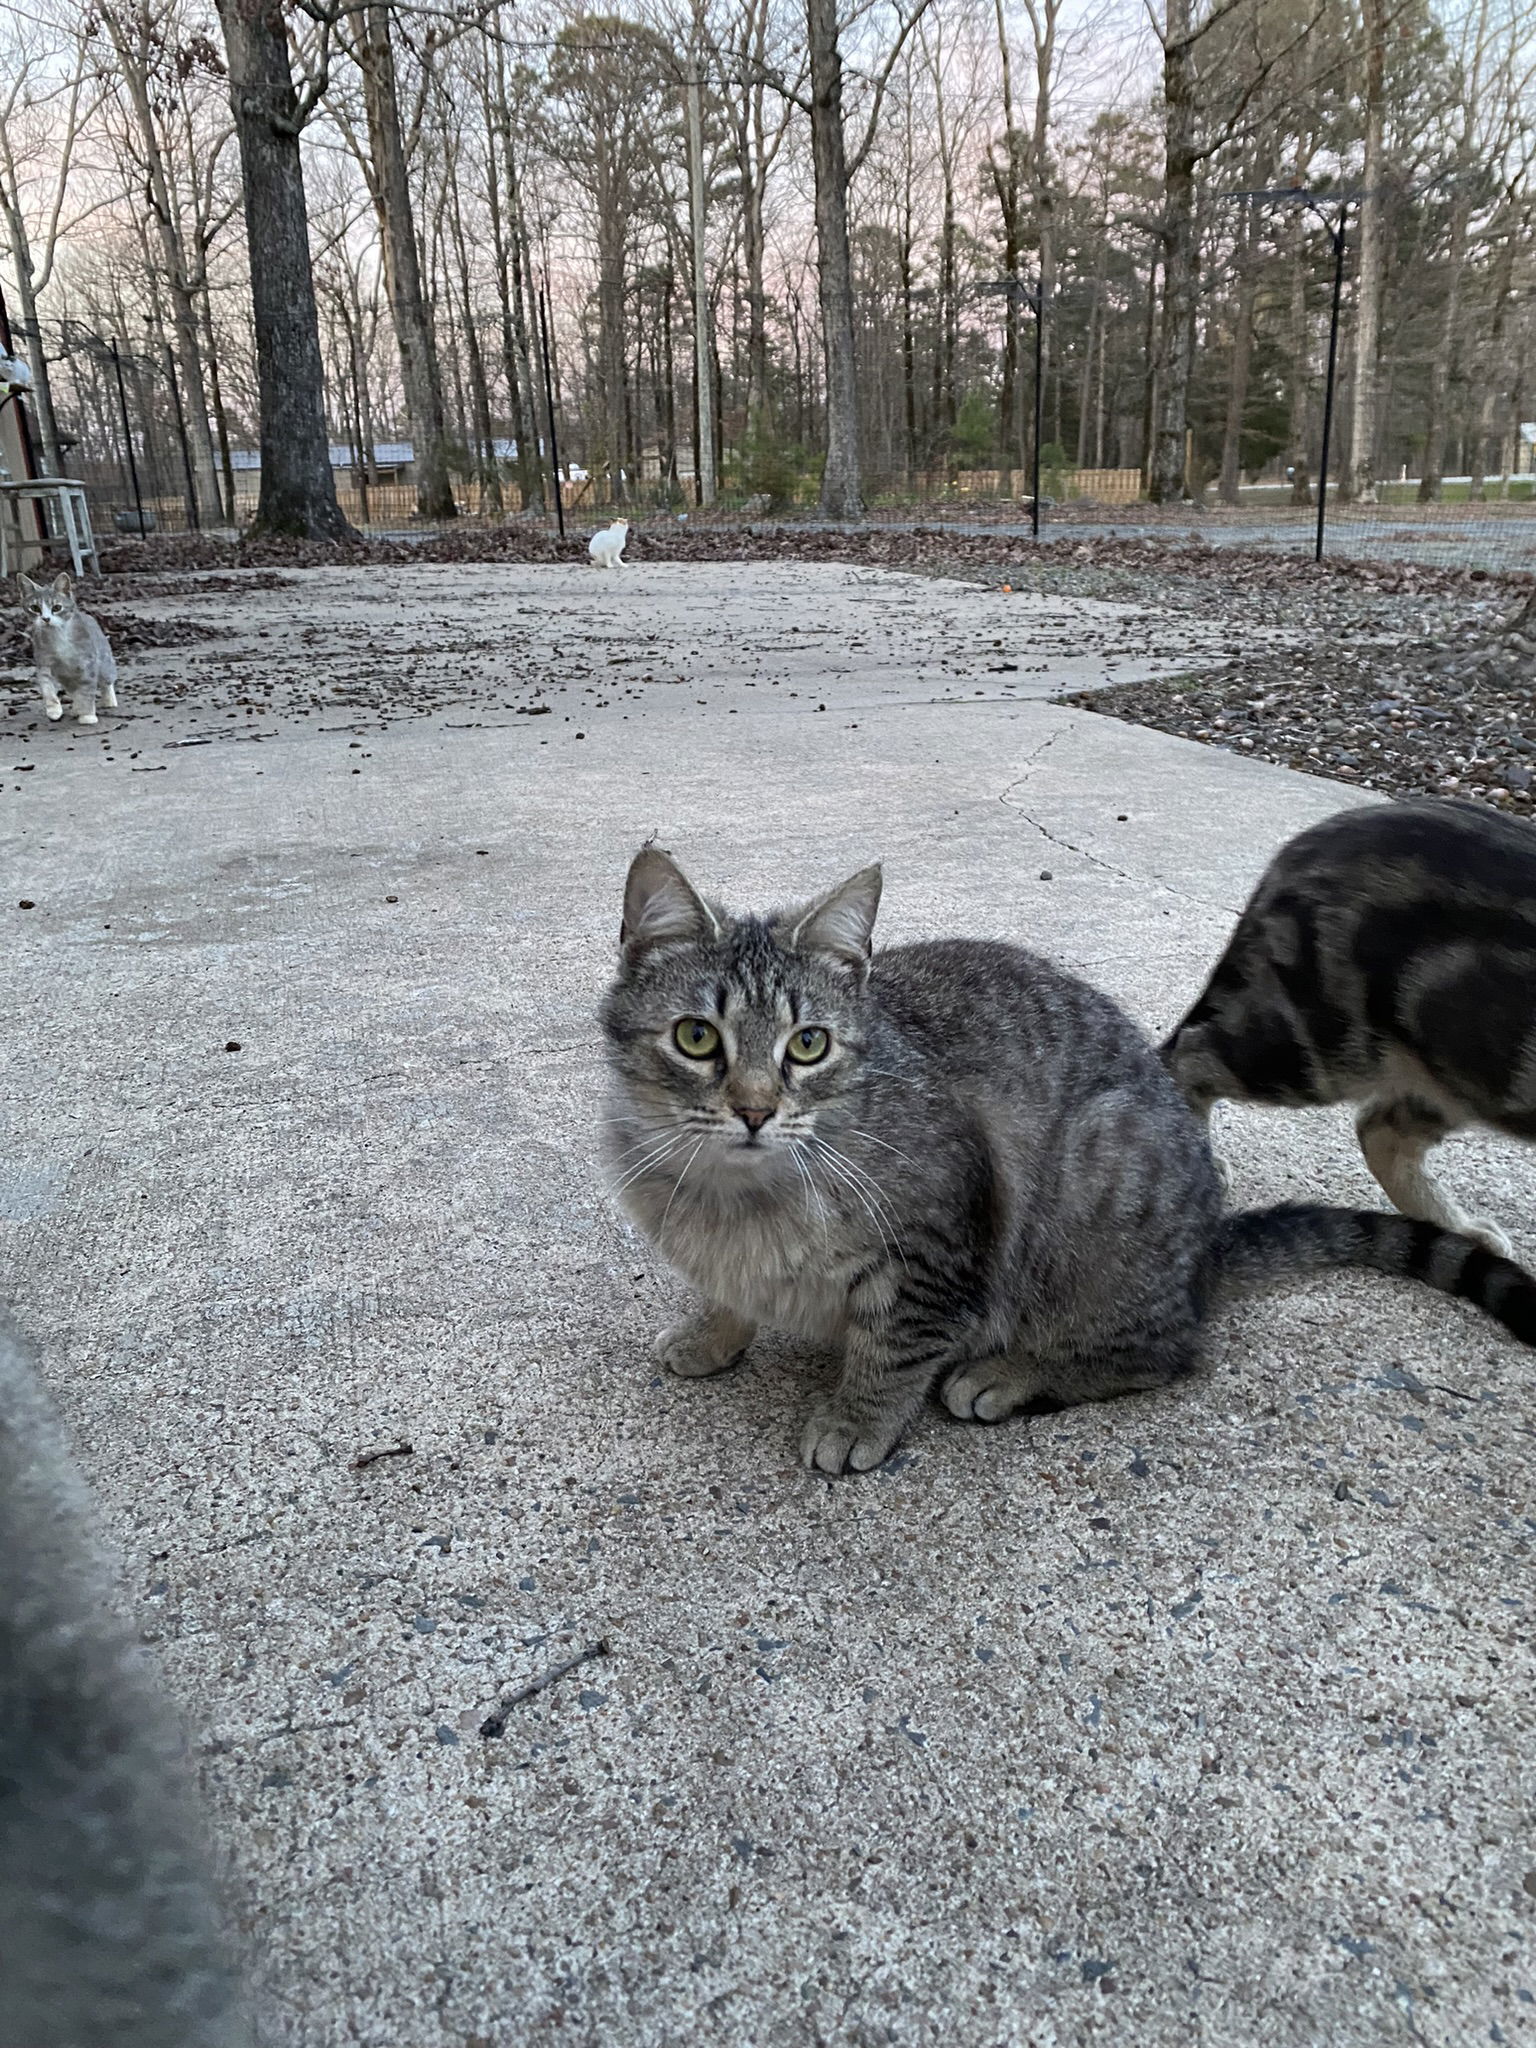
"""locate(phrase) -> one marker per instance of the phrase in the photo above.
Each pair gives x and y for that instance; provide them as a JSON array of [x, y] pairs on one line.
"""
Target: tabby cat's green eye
[[699, 1040], [808, 1046]]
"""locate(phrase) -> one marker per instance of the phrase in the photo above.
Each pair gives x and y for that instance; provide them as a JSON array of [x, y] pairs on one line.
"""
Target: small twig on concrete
[[496, 1724], [365, 1458]]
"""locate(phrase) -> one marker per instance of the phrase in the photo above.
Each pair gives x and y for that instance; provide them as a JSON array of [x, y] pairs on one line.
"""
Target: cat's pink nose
[[754, 1119]]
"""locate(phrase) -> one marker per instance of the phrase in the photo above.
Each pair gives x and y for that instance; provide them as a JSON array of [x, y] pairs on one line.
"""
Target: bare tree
[[842, 493], [143, 41], [1359, 477], [386, 167], [32, 253], [298, 488]]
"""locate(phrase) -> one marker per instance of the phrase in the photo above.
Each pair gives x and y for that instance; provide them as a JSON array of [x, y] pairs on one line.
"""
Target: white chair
[[66, 516]]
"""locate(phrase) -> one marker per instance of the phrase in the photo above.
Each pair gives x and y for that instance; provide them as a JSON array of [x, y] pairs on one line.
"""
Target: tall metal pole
[[1034, 507], [133, 467], [704, 382], [549, 407], [1333, 357]]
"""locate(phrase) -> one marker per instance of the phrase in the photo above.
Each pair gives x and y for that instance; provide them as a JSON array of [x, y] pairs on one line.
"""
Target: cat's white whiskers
[[869, 1192], [868, 1197], [853, 1168], [652, 1162], [812, 1192], [661, 1227], [652, 1137]]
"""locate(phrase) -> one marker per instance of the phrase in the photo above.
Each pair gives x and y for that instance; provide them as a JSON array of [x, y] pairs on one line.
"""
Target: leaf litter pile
[[1447, 712]]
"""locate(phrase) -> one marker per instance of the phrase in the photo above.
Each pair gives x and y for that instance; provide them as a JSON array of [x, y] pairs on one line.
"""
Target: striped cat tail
[[1257, 1246]]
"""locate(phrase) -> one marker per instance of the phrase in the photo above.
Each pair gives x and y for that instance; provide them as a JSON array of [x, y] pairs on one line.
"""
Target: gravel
[[1377, 722]]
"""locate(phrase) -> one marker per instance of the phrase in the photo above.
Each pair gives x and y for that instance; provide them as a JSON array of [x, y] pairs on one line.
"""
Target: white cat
[[607, 548], [69, 648]]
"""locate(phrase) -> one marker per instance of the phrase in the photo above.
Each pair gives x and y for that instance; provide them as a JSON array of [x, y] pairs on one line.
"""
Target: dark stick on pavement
[[365, 1458], [496, 1724]]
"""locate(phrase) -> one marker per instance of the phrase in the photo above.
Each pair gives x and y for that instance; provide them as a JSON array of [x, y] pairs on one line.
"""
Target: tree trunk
[[1042, 194], [669, 385], [1237, 375], [1359, 478], [1440, 365], [479, 389], [703, 355], [419, 370], [1181, 262], [611, 235], [752, 151], [531, 477], [948, 304], [506, 240], [298, 489], [842, 494], [1149, 359], [216, 401], [1300, 341], [1007, 183], [908, 344]]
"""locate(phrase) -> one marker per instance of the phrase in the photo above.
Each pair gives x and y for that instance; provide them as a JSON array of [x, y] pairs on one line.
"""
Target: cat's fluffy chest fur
[[765, 1253]]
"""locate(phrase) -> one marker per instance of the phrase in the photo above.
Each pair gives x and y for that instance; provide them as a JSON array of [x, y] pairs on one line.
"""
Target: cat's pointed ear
[[661, 905], [842, 921], [26, 588], [62, 584]]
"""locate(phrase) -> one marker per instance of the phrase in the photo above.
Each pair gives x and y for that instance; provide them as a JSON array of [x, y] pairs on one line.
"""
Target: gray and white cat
[[70, 650], [108, 1924], [957, 1164], [1387, 958]]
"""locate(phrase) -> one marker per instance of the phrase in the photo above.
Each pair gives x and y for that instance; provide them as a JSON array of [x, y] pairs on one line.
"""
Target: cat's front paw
[[701, 1346], [87, 718], [55, 710], [833, 1445]]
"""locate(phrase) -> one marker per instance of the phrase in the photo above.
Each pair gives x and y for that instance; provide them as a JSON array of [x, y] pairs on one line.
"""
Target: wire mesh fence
[[1495, 533], [147, 472]]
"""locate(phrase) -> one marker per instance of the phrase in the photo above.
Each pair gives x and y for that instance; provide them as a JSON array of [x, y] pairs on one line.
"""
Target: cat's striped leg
[[1395, 1133], [906, 1328], [704, 1344], [50, 697]]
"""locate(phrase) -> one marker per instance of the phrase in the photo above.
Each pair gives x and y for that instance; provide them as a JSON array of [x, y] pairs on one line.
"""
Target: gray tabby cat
[[108, 1930], [70, 650], [952, 1161], [1387, 958]]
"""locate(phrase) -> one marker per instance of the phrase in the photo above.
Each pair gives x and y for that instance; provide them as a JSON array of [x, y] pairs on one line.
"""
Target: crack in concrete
[[1006, 797], [1067, 846]]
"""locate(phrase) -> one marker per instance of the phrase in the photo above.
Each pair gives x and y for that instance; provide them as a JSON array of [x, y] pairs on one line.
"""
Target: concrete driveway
[[1200, 1717]]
